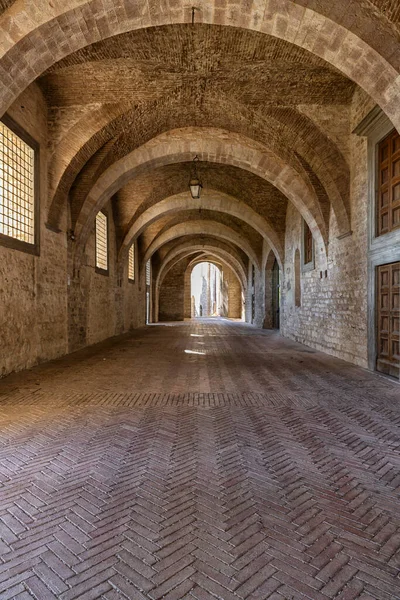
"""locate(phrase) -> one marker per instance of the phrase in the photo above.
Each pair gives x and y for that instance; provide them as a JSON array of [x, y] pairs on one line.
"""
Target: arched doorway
[[206, 283], [272, 293]]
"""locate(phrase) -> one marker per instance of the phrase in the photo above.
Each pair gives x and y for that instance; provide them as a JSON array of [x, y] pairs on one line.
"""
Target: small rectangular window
[[388, 201], [101, 241], [18, 174], [131, 263], [307, 245], [148, 273]]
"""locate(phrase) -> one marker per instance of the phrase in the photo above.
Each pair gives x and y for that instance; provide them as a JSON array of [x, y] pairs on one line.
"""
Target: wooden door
[[253, 296], [388, 205], [388, 355], [275, 295]]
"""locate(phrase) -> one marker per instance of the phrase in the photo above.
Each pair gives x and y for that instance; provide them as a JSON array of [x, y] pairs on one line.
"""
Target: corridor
[[203, 460]]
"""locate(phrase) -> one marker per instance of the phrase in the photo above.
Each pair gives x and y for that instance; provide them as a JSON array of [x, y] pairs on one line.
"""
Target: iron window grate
[[101, 242], [17, 187], [131, 263], [148, 272]]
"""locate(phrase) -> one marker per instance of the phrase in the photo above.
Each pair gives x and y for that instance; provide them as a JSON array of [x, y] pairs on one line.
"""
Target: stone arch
[[212, 145], [188, 248], [210, 254], [77, 147], [210, 200], [208, 228], [210, 245], [25, 52], [228, 298]]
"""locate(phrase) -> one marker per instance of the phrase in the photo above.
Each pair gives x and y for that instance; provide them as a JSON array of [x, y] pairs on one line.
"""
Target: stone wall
[[172, 294], [233, 292], [33, 300], [46, 309], [104, 305], [333, 312]]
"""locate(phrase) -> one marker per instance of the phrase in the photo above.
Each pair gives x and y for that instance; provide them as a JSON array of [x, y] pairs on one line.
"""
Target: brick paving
[[203, 460]]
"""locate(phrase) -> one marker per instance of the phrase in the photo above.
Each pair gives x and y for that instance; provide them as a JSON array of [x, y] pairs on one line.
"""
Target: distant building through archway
[[205, 284]]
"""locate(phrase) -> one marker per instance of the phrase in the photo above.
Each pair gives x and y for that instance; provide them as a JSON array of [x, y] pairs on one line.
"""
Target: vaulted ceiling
[[111, 98], [268, 118]]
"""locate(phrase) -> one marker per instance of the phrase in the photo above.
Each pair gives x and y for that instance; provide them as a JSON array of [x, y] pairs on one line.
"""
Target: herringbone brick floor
[[249, 467]]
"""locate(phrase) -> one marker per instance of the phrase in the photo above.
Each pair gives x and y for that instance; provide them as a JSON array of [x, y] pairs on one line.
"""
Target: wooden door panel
[[388, 199], [388, 321]]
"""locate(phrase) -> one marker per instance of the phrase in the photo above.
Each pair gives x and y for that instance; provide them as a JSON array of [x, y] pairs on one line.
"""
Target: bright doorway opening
[[206, 291]]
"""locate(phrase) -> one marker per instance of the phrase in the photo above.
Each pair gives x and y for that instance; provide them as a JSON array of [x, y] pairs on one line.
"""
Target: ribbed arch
[[73, 24]]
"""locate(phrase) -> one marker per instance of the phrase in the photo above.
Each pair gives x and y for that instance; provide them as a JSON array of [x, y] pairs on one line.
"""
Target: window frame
[[7, 240], [100, 270], [310, 265], [130, 279]]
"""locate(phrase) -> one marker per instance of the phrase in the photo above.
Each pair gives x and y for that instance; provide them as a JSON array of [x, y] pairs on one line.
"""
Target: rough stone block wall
[[333, 312], [33, 299], [46, 310], [103, 305]]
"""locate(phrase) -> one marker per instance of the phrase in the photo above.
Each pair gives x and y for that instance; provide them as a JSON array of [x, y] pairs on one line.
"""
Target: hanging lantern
[[195, 183]]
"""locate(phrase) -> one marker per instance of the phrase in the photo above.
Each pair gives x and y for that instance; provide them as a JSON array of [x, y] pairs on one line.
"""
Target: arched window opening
[[206, 297], [297, 280], [272, 293]]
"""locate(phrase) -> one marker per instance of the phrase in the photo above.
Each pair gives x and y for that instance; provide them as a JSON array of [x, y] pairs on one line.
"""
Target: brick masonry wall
[[333, 312], [104, 305], [33, 301], [234, 293], [172, 293], [44, 311]]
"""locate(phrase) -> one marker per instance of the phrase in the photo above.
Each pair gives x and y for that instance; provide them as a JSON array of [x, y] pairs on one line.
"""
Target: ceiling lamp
[[195, 183]]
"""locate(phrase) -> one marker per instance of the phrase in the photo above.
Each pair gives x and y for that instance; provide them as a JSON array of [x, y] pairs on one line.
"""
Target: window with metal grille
[[388, 205], [307, 244], [17, 187], [101, 241], [131, 263], [148, 272]]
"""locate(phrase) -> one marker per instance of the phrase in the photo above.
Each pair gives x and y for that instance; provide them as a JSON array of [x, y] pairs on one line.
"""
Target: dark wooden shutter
[[388, 359], [275, 295], [308, 244], [388, 204]]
